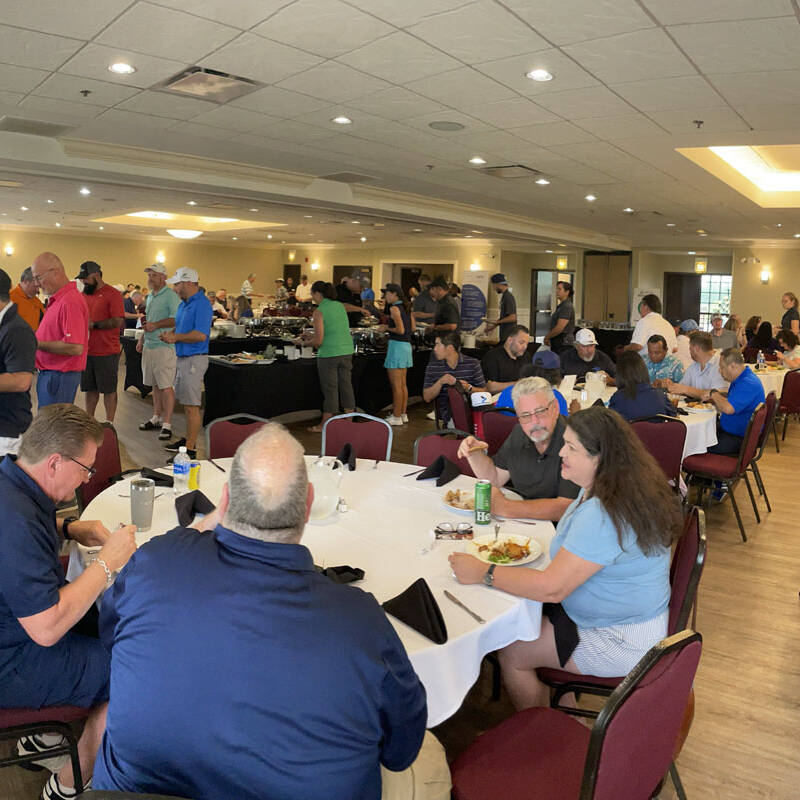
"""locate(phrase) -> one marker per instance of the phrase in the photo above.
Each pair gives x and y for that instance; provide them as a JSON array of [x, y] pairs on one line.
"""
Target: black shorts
[[100, 374]]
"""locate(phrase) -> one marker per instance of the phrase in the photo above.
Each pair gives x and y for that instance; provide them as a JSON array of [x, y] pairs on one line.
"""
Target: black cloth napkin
[[417, 607], [191, 503], [566, 631], [347, 455], [443, 469], [343, 574], [159, 477]]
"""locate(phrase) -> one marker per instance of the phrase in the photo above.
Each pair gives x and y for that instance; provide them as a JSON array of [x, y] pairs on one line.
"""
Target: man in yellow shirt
[[29, 306]]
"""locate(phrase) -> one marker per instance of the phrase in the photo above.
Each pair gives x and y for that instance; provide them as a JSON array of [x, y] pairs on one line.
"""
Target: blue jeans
[[57, 387]]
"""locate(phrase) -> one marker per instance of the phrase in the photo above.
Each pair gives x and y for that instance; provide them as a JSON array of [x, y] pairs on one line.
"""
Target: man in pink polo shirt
[[63, 334]]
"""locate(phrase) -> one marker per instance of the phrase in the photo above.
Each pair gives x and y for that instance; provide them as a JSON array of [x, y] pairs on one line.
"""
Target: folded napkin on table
[[443, 469], [417, 607], [190, 504], [343, 574], [159, 478], [566, 631], [347, 455]]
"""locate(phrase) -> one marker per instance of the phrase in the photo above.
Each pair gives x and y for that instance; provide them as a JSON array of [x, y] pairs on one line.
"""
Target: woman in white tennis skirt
[[606, 590]]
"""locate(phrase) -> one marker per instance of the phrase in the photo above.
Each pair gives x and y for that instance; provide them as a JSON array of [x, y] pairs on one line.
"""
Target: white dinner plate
[[509, 493], [472, 547]]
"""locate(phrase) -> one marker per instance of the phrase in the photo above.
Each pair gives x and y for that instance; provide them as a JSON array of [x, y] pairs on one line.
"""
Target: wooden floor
[[743, 743]]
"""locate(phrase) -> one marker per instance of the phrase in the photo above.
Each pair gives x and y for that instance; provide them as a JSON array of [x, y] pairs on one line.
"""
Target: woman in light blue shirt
[[609, 568]]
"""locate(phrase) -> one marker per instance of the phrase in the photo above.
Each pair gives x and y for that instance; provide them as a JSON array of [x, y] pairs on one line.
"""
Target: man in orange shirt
[[29, 306]]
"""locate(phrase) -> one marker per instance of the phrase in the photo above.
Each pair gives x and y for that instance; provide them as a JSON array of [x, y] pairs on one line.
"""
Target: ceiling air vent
[[208, 84], [511, 171], [33, 127], [348, 177]]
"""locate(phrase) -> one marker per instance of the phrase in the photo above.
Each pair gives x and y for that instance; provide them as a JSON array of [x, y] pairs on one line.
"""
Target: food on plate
[[505, 551], [457, 498], [699, 404]]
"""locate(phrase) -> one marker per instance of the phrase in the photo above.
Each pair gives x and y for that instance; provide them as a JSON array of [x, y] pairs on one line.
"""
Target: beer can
[[483, 502], [194, 475]]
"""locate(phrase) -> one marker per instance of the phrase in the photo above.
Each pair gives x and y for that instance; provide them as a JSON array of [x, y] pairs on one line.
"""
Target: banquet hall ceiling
[[631, 81]]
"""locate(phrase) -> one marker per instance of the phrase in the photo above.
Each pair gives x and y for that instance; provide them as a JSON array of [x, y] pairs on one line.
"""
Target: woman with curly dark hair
[[609, 567]]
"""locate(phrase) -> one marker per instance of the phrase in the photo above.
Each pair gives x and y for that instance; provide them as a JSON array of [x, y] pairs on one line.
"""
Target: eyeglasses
[[537, 413], [91, 471], [452, 530], [38, 278]]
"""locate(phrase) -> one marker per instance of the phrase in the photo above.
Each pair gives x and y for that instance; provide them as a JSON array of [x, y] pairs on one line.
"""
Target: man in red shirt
[[63, 334], [106, 317]]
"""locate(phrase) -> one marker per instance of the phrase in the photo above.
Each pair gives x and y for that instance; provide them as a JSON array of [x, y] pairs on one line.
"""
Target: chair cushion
[[711, 464], [9, 717], [556, 676], [538, 753]]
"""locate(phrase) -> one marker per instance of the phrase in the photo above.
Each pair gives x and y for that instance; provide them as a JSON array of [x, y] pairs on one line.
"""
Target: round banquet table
[[384, 531], [772, 380]]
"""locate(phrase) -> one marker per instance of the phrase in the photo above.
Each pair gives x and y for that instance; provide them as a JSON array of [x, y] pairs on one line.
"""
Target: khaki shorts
[[428, 778], [158, 367], [189, 379]]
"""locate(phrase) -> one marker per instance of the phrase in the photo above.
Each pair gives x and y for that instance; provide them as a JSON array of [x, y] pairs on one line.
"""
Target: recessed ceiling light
[[539, 75], [102, 228], [253, 209], [58, 224], [179, 233], [468, 236], [363, 238], [192, 203], [122, 68], [477, 231], [308, 216], [692, 253], [778, 225], [670, 224], [702, 234], [269, 236], [354, 222], [543, 181], [342, 120], [234, 238], [417, 230], [445, 125], [796, 235], [590, 197], [23, 208], [548, 251], [477, 160], [628, 210], [50, 202], [85, 191]]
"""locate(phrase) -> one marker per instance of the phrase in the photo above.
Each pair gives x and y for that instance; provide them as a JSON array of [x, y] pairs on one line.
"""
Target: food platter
[[508, 550]]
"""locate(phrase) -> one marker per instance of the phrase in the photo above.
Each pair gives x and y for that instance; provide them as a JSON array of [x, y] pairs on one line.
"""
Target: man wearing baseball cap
[[507, 314], [586, 357], [158, 356], [190, 337]]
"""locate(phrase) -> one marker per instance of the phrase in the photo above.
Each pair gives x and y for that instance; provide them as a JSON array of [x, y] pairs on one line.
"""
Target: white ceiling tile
[[166, 33], [10, 98], [399, 58], [512, 72], [361, 121], [279, 102], [296, 132], [203, 131], [166, 104], [755, 88], [471, 124], [32, 49], [333, 82], [396, 103], [59, 110], [408, 12], [641, 54], [675, 12], [715, 120], [69, 87], [241, 14], [460, 87], [768, 44], [668, 94], [328, 28], [584, 103], [478, 32], [773, 117], [94, 60], [235, 119], [567, 21], [81, 20], [581, 174], [20, 79], [511, 113], [132, 122], [251, 56], [624, 126], [551, 133]]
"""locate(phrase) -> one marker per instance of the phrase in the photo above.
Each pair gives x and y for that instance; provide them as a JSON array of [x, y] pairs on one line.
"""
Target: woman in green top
[[334, 346]]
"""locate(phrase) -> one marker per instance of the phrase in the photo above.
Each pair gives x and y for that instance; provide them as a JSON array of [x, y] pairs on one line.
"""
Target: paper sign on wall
[[473, 300]]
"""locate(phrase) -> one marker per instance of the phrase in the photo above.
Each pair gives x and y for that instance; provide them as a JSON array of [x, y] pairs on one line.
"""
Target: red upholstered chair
[[224, 435], [790, 398], [107, 466], [750, 354], [664, 438], [17, 722], [460, 409], [497, 427], [732, 468], [769, 427], [429, 446], [371, 437], [542, 753]]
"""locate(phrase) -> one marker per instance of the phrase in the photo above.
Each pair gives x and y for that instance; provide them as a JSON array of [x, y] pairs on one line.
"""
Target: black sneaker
[[191, 453], [173, 447], [150, 426], [166, 433]]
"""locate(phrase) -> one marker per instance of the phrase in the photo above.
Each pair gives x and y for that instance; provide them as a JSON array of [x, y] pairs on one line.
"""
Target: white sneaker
[[393, 420], [42, 743], [431, 415], [53, 790], [404, 417]]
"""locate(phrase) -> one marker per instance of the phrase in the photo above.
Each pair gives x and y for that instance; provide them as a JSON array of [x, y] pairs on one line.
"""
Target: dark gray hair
[[27, 274], [268, 487], [731, 355]]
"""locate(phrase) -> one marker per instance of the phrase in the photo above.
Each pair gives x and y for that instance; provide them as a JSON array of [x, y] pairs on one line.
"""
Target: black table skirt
[[609, 340]]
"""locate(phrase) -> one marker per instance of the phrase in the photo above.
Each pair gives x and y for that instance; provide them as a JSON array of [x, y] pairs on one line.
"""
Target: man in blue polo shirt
[[192, 330], [239, 671], [744, 394]]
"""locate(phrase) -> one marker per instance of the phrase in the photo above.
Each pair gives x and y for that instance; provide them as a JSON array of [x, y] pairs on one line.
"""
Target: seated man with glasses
[[529, 458], [46, 657]]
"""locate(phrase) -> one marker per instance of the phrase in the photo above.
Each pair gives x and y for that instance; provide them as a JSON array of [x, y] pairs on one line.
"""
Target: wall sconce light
[[764, 275], [292, 254], [475, 267], [562, 263], [9, 250], [700, 265], [315, 265], [160, 257]]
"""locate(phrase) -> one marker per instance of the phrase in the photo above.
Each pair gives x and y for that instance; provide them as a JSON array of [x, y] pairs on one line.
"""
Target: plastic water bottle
[[760, 359], [180, 472]]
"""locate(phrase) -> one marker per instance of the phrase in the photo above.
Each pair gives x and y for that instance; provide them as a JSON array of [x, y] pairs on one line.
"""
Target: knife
[[469, 611]]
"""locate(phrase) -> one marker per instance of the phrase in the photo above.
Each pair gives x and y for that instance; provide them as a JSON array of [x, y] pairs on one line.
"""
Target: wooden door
[[618, 287], [594, 286]]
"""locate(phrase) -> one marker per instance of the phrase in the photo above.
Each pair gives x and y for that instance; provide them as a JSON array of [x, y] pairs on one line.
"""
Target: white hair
[[533, 385]]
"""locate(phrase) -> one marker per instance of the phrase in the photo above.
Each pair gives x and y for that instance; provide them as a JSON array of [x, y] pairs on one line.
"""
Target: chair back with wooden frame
[[429, 446], [370, 437]]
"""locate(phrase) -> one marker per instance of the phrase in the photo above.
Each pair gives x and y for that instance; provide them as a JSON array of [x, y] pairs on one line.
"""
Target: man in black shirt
[[17, 358], [586, 357], [502, 364], [447, 318], [507, 314], [348, 293]]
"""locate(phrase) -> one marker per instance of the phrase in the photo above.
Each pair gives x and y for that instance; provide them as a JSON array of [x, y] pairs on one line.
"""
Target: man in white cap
[[158, 356], [586, 357], [190, 337]]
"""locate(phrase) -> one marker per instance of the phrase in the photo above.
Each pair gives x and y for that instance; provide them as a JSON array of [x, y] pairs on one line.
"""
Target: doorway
[[682, 295], [292, 271], [543, 299], [407, 275]]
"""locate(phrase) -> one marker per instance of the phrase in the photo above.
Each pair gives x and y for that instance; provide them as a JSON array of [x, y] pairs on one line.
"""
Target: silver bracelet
[[109, 576]]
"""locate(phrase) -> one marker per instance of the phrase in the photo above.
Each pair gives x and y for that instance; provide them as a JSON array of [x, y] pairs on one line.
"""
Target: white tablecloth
[[772, 379], [383, 532]]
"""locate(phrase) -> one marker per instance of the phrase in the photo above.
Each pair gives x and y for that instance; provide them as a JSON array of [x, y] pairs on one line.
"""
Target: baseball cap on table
[[547, 359], [498, 277], [585, 336], [184, 274], [159, 268], [5, 282], [689, 325], [89, 268]]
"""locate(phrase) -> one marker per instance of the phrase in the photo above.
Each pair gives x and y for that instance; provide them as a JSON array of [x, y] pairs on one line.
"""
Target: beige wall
[[649, 267], [750, 296]]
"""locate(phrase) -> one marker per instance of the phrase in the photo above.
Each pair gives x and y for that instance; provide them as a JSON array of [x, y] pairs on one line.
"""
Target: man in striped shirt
[[446, 368]]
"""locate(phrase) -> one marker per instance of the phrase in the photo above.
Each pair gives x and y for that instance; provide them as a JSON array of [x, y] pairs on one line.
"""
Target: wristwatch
[[65, 523], [488, 578]]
